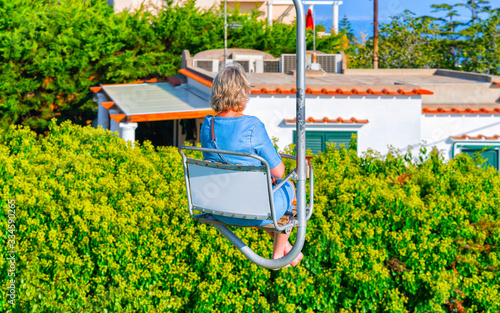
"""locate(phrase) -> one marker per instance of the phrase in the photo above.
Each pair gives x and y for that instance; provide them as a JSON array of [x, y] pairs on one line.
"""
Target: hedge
[[104, 227], [52, 52]]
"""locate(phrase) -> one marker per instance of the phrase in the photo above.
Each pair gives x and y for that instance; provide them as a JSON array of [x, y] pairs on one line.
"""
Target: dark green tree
[[410, 42], [476, 7], [345, 25], [480, 48]]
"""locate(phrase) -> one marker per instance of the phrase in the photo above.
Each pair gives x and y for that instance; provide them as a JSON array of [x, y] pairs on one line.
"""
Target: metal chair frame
[[221, 168]]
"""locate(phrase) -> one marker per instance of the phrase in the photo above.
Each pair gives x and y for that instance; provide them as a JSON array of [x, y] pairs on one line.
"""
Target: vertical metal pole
[[301, 130], [225, 33], [375, 34]]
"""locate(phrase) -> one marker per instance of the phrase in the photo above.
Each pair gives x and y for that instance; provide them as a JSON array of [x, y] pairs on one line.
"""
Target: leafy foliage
[[52, 52], [103, 226]]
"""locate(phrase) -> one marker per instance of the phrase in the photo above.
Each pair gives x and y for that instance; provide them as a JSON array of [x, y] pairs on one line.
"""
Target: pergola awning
[[154, 102]]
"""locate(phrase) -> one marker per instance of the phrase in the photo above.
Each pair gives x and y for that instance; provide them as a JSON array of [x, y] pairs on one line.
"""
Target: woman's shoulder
[[254, 120], [245, 121], [208, 118]]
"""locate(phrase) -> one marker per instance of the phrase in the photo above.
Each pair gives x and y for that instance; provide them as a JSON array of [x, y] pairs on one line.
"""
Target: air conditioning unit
[[207, 65], [255, 64], [288, 62], [271, 66], [330, 63], [248, 65]]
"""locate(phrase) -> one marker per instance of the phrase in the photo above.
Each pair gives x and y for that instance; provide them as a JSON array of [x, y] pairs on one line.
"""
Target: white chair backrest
[[229, 190]]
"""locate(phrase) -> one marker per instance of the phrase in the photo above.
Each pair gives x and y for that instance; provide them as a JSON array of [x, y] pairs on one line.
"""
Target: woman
[[235, 131]]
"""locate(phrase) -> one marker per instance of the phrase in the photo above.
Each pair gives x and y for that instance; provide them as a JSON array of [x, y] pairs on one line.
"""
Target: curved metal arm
[[257, 259]]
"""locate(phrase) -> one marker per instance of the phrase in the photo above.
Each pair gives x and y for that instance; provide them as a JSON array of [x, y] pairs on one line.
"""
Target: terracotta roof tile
[[118, 117], [107, 104], [96, 89], [478, 137], [339, 120], [311, 91], [340, 91], [457, 111]]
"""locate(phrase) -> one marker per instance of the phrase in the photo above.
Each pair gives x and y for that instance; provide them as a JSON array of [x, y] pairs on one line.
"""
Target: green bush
[[52, 52], [104, 227]]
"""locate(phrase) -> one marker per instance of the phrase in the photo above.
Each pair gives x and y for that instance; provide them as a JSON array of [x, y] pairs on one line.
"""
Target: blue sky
[[360, 12]]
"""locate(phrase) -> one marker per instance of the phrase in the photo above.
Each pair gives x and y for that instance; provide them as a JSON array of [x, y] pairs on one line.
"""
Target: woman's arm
[[278, 171]]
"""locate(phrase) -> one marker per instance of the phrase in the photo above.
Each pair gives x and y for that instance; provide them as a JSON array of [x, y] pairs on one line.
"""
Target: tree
[[345, 25], [480, 48], [449, 33], [476, 7], [410, 42]]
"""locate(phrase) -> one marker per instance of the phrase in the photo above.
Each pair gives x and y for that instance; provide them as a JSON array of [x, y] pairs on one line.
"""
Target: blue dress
[[245, 134]]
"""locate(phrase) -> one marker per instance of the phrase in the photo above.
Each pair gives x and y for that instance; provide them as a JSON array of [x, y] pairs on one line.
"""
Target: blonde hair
[[230, 89]]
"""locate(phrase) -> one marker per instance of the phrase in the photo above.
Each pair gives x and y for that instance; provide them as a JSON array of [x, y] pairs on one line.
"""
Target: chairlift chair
[[237, 191], [240, 191]]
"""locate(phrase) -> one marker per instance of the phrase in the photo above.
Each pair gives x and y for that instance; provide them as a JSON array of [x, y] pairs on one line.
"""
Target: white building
[[453, 111]]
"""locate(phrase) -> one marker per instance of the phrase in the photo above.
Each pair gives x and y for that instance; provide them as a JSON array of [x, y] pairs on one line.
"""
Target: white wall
[[393, 120], [437, 128]]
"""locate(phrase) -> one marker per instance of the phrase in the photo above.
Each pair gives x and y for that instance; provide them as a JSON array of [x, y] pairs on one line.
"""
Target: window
[[490, 155], [316, 140]]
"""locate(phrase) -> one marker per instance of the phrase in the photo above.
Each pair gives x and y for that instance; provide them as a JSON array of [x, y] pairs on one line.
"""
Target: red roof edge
[[194, 76], [478, 137], [457, 111], [423, 92], [338, 120]]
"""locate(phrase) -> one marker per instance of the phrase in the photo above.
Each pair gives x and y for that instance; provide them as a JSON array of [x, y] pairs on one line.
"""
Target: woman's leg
[[297, 259], [281, 246], [288, 245], [280, 243]]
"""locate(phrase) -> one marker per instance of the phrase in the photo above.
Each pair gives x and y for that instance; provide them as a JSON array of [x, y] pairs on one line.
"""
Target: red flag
[[309, 20]]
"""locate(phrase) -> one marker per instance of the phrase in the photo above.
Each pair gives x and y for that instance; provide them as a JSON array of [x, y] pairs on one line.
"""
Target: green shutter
[[316, 140], [340, 139], [491, 156]]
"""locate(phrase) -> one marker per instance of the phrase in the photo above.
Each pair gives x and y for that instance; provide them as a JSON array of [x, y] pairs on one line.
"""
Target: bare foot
[[277, 256], [297, 259]]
